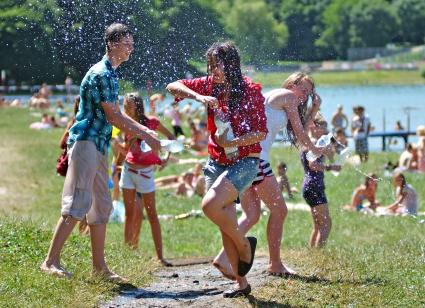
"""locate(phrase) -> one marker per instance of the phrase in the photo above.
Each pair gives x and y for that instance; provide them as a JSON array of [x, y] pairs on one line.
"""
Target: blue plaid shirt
[[99, 85]]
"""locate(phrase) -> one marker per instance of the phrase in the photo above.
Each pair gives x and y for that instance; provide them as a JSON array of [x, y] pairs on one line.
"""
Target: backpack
[[62, 163]]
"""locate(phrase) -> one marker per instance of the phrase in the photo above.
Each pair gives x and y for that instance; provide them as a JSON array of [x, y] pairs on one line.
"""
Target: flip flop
[[244, 267], [232, 293]]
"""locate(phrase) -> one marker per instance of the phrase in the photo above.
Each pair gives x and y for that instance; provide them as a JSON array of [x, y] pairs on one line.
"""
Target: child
[[176, 118], [138, 176], [406, 197], [366, 191], [283, 180], [314, 188]]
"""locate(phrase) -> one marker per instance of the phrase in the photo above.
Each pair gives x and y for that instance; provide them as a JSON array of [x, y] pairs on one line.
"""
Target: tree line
[[46, 40]]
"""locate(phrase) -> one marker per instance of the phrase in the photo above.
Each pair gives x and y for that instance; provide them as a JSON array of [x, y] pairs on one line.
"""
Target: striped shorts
[[264, 169]]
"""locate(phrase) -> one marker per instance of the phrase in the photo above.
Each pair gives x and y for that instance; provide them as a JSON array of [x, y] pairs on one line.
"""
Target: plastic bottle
[[322, 142], [173, 146], [222, 123], [340, 159]]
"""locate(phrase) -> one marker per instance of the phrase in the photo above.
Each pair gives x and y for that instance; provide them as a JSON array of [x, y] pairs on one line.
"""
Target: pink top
[[135, 156]]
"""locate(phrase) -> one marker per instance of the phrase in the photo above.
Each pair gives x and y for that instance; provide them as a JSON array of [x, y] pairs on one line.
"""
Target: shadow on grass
[[322, 280], [255, 302]]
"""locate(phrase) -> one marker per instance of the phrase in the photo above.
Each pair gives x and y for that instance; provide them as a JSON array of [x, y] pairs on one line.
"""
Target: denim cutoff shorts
[[241, 173]]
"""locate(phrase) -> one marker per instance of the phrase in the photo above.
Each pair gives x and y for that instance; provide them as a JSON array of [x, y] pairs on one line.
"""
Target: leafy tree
[[27, 46], [373, 24], [304, 21], [166, 35], [411, 14], [352, 23], [257, 33]]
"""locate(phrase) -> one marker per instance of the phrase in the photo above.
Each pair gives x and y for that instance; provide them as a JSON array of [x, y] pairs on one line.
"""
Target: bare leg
[[150, 206], [241, 282], [116, 189], [63, 229], [97, 235], [268, 191], [129, 196], [100, 269], [251, 207], [214, 204], [137, 221], [323, 224]]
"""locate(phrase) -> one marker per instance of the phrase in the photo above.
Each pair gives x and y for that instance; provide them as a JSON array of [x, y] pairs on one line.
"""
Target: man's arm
[[129, 126]]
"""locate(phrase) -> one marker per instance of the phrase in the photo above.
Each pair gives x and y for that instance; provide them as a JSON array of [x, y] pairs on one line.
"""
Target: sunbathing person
[[366, 191]]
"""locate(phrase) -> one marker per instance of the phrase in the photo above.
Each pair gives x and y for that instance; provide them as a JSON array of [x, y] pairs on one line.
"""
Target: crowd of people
[[234, 132]]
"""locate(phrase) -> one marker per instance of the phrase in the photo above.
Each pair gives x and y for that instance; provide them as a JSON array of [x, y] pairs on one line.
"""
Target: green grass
[[369, 261], [348, 78]]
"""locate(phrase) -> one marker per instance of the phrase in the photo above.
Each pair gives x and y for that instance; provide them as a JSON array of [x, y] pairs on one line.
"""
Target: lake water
[[380, 101]]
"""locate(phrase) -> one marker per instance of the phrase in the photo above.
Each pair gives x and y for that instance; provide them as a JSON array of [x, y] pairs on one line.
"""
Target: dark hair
[[370, 177], [140, 109], [227, 54], [281, 165], [115, 32]]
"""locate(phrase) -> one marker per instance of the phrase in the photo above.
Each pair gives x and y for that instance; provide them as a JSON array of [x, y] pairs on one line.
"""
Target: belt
[[138, 172]]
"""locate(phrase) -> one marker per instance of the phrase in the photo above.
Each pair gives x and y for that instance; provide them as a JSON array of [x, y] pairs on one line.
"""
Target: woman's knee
[[279, 210], [253, 216]]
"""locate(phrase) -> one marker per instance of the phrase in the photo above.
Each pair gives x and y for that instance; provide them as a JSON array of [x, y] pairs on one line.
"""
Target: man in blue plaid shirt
[[86, 192]]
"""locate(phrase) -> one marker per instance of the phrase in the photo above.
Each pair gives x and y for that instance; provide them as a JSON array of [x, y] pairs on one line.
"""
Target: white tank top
[[276, 120]]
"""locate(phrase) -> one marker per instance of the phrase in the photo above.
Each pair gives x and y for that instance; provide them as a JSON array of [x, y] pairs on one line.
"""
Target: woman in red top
[[237, 123], [138, 176]]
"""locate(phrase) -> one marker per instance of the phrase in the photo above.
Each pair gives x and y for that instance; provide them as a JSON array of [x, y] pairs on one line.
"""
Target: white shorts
[[142, 179]]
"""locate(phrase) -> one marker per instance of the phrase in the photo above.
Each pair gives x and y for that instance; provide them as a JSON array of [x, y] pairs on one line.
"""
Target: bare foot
[[165, 263], [55, 270], [280, 270], [109, 276], [225, 270]]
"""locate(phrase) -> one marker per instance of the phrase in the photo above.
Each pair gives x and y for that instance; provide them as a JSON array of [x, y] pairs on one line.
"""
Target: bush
[[423, 72]]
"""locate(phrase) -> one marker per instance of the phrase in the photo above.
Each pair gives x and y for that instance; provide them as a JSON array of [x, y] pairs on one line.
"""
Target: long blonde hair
[[293, 80]]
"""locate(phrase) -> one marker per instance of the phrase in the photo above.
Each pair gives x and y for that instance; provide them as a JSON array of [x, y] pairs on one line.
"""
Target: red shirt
[[250, 116], [135, 155]]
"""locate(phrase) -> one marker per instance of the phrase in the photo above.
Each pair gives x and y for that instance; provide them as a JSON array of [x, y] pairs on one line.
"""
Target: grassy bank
[[348, 78], [369, 261]]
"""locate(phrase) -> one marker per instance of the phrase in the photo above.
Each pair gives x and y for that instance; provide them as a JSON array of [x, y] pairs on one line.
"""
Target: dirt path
[[198, 285]]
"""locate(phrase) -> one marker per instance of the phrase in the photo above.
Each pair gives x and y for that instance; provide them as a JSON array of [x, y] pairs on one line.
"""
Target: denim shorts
[[241, 173]]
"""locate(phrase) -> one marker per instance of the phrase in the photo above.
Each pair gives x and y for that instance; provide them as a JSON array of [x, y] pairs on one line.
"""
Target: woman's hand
[[316, 100], [210, 101]]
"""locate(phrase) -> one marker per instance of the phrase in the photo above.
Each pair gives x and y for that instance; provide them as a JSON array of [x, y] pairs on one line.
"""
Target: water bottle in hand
[[222, 123], [322, 142], [340, 159], [172, 146]]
